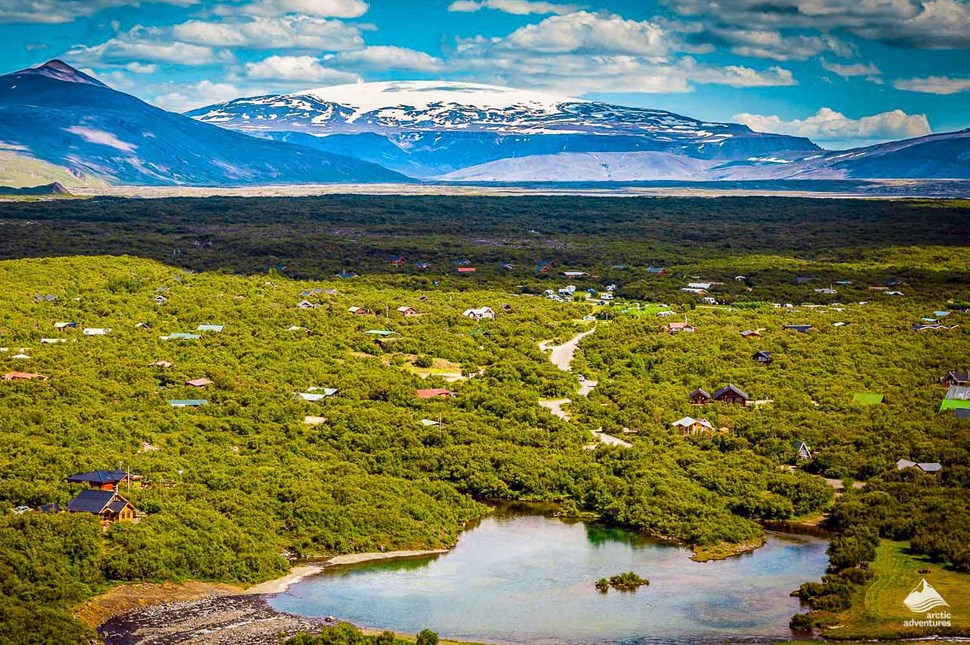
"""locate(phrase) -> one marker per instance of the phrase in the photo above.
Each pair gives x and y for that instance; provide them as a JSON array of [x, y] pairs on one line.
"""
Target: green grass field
[[881, 613]]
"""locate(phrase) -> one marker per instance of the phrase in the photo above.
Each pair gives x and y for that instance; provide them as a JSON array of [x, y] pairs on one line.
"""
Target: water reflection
[[528, 578]]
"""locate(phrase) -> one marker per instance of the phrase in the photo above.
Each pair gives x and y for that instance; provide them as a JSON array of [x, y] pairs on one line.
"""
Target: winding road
[[562, 357]]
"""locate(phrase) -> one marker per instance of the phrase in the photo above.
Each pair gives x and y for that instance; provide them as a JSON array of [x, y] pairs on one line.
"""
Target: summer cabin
[[955, 378], [691, 426], [105, 479], [306, 304], [466, 270], [160, 300], [314, 421], [313, 394], [481, 313], [162, 364], [346, 275], [181, 336], [47, 298], [187, 403], [802, 450], [678, 327], [658, 271], [396, 260], [23, 376], [926, 467], [699, 397], [108, 505], [407, 312], [751, 333], [65, 325], [52, 341], [575, 274], [435, 393], [199, 383], [96, 331], [429, 423], [210, 328], [801, 329], [762, 357], [359, 311], [868, 398], [731, 395], [957, 398]]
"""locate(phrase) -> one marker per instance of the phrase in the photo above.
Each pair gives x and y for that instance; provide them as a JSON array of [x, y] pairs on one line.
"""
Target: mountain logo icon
[[924, 598]]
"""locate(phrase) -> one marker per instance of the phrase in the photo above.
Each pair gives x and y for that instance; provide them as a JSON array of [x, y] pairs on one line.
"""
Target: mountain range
[[57, 122]]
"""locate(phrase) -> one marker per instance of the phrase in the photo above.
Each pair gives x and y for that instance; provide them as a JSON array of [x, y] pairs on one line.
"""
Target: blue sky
[[843, 72]]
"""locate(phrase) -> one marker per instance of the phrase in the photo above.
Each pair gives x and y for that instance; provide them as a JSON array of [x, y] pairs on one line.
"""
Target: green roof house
[[867, 398]]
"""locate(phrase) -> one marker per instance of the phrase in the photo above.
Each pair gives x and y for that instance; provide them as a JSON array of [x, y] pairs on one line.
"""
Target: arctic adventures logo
[[924, 598]]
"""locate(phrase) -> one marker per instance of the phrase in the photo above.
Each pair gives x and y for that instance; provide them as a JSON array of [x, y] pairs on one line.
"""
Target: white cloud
[[320, 8], [286, 32], [126, 49], [933, 85], [918, 24], [829, 125], [383, 57], [141, 68], [93, 135], [738, 75], [62, 11], [515, 7], [771, 43], [848, 71], [298, 69], [586, 32], [181, 98]]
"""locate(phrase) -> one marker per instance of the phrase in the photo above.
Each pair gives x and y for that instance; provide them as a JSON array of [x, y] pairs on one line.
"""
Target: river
[[530, 579]]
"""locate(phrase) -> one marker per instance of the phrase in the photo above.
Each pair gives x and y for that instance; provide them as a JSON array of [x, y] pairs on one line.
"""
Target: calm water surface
[[529, 579]]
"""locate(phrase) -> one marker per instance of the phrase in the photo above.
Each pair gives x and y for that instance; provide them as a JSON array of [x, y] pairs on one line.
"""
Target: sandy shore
[[280, 585]]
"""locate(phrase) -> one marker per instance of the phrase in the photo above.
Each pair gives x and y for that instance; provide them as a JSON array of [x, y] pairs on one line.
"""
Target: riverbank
[[725, 550], [298, 573], [129, 614]]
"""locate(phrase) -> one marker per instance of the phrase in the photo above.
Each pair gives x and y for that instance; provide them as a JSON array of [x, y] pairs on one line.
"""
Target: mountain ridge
[[58, 115]]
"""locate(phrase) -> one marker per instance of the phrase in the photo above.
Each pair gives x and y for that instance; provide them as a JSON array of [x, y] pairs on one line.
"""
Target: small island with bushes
[[628, 581]]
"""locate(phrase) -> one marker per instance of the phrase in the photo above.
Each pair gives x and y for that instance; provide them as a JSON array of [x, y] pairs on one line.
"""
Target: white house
[[96, 331], [479, 314]]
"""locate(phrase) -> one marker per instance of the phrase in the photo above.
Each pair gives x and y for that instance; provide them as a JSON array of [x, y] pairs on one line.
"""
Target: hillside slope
[[60, 116]]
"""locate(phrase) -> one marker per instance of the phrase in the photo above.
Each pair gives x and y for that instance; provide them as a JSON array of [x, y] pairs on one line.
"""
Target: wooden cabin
[[23, 376], [731, 395], [435, 393], [108, 505], [699, 397], [107, 480], [677, 327], [955, 379], [690, 426], [762, 357], [407, 312], [802, 449]]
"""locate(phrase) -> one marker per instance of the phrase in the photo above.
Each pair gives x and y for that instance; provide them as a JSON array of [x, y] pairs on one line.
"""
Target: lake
[[530, 579]]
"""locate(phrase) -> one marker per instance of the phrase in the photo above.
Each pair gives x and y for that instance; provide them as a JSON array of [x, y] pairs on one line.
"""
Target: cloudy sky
[[843, 72]]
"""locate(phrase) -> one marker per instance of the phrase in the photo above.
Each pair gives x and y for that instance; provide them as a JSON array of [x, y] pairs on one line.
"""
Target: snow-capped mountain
[[430, 128], [57, 119]]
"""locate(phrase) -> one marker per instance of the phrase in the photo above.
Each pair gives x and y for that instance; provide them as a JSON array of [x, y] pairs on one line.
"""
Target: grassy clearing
[[881, 612]]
